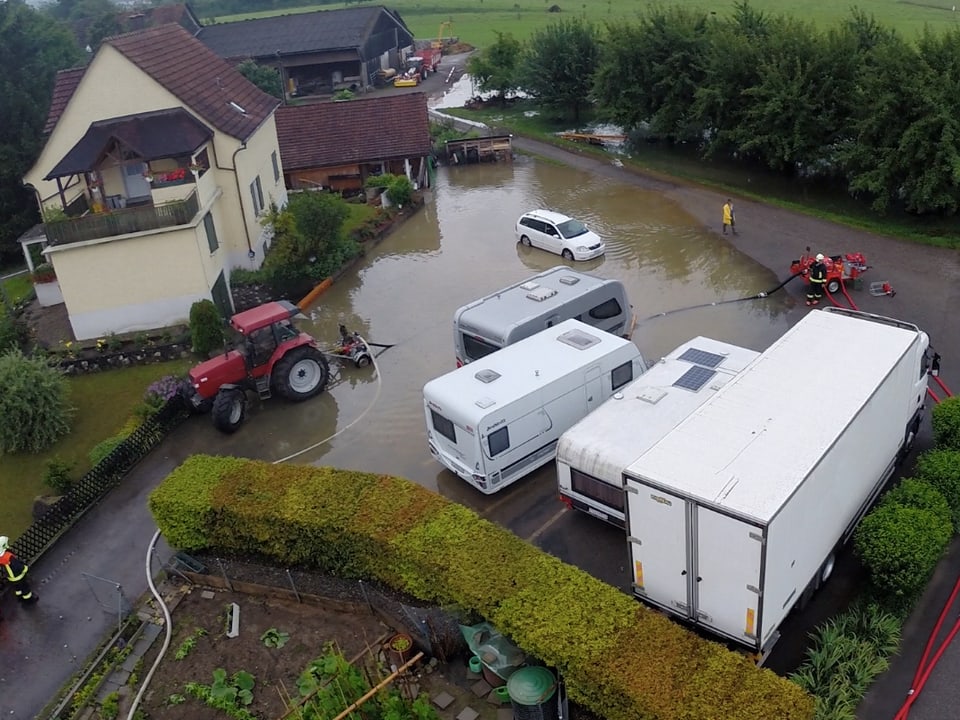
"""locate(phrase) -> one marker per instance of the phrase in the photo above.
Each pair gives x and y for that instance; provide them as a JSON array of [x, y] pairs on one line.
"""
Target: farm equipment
[[411, 78], [352, 348], [840, 268], [270, 355]]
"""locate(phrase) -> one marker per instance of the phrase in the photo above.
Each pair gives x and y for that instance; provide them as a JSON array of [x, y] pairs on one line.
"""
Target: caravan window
[[621, 375], [597, 490], [443, 426], [475, 348], [606, 310], [498, 441]]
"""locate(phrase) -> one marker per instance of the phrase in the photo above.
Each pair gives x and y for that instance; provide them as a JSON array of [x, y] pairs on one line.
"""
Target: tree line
[[856, 105]]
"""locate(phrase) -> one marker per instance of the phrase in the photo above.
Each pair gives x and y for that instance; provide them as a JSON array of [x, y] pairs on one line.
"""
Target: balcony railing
[[121, 222]]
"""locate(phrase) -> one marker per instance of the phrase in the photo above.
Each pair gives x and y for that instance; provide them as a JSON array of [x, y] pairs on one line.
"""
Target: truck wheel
[[826, 570], [229, 409], [301, 373], [908, 441], [833, 286]]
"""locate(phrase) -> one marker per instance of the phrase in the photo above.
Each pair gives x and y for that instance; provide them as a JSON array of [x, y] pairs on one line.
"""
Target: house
[[317, 52], [338, 145], [159, 162]]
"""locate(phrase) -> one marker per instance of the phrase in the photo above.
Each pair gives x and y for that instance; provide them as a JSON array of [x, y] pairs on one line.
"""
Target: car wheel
[[301, 373], [524, 240], [229, 409], [567, 255]]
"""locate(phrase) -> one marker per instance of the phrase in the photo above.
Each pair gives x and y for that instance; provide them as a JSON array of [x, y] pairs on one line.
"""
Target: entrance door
[[594, 389], [658, 532], [221, 296], [134, 182]]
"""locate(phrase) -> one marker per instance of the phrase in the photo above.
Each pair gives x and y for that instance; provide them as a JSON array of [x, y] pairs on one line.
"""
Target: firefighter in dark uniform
[[817, 277], [14, 571]]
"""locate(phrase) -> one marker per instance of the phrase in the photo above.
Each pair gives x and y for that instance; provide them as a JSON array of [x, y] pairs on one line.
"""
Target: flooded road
[[461, 246]]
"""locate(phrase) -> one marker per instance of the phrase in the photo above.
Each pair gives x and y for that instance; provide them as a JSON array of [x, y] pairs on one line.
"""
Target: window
[[475, 348], [572, 228], [443, 426], [256, 192], [498, 441], [621, 375], [276, 166], [597, 490], [604, 311], [211, 233]]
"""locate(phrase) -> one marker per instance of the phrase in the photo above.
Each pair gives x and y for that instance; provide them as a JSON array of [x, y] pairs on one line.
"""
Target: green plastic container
[[532, 691], [475, 664]]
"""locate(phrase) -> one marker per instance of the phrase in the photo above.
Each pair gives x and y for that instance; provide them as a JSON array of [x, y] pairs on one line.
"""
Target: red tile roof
[[201, 80], [341, 133], [184, 66], [63, 88]]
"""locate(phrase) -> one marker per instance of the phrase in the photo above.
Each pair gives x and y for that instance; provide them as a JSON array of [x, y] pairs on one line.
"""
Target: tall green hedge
[[946, 423], [941, 468], [621, 660]]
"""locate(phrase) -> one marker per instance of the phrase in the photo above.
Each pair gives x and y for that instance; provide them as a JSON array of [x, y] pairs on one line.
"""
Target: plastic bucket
[[475, 664]]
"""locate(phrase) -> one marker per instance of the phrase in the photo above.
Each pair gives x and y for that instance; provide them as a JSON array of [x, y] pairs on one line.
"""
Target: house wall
[[135, 282]]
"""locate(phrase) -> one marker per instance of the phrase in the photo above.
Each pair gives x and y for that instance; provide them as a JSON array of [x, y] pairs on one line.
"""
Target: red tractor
[[271, 355]]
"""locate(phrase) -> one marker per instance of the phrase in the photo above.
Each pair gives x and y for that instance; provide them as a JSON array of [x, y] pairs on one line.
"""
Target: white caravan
[[495, 420], [525, 308], [592, 455], [736, 515]]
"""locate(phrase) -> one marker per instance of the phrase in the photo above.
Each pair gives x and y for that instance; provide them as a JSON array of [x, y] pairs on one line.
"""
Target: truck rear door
[[657, 530], [729, 558]]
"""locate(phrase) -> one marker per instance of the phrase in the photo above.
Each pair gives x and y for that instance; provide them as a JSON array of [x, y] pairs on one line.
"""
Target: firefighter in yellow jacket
[[14, 571]]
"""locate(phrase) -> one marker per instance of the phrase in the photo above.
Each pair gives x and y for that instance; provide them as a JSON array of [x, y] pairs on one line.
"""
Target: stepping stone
[[505, 713], [468, 713], [471, 675], [208, 595], [481, 688], [443, 700]]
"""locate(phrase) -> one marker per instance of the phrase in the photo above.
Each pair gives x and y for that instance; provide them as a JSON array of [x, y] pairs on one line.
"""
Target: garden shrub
[[206, 327], [847, 653], [158, 394], [913, 492], [620, 659], [941, 468], [58, 474], [14, 333], [946, 423], [34, 403], [103, 448], [900, 546], [400, 190]]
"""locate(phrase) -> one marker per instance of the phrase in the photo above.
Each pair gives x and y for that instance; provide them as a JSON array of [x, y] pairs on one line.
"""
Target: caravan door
[[594, 388]]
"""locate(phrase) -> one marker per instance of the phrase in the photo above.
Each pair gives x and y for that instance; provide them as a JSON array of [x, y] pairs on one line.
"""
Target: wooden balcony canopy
[[150, 136]]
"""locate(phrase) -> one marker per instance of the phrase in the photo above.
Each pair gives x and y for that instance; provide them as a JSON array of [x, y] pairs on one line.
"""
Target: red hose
[[933, 395], [939, 382], [843, 289], [923, 668]]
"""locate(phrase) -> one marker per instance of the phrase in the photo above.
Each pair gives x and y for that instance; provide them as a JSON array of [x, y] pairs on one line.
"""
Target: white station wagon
[[559, 234]]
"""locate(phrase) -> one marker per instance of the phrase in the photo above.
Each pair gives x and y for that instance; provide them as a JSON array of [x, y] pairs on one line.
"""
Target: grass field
[[477, 21], [103, 401]]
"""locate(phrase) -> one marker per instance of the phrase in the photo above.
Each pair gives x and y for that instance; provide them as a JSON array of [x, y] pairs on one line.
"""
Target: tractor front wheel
[[301, 373], [229, 409]]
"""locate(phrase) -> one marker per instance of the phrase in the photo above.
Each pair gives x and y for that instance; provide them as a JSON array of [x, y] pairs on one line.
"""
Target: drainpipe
[[251, 253]]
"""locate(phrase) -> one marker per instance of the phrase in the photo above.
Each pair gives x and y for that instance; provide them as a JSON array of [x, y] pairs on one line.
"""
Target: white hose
[[167, 621], [156, 536]]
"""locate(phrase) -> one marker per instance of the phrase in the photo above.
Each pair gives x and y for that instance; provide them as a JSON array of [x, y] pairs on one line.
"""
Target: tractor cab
[[260, 331]]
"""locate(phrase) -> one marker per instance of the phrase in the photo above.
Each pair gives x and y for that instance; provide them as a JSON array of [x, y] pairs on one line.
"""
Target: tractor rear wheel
[[229, 409], [301, 373]]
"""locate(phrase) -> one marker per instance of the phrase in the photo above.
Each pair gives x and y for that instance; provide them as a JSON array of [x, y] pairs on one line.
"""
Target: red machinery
[[840, 269]]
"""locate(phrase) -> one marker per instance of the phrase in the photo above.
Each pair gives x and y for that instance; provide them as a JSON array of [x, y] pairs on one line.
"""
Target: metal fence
[[106, 474]]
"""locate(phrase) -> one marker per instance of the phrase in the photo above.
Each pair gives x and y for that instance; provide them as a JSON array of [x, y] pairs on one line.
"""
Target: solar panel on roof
[[695, 378], [702, 357]]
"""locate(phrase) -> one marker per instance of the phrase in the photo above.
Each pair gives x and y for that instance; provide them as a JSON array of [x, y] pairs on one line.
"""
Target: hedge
[[946, 423], [621, 660], [941, 468]]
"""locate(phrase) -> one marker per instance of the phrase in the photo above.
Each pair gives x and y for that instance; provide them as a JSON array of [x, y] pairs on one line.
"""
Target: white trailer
[[736, 515], [592, 455], [499, 418]]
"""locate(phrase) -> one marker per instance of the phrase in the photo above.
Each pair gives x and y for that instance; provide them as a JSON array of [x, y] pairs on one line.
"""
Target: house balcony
[[124, 220]]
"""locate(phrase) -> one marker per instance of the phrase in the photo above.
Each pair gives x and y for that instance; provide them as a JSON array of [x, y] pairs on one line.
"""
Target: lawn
[[477, 21], [16, 288], [104, 401], [359, 214]]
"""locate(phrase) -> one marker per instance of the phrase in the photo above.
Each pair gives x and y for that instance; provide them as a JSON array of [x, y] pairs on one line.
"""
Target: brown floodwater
[[461, 246]]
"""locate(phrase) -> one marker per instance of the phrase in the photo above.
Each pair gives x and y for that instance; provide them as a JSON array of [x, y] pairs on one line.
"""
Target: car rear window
[[572, 228]]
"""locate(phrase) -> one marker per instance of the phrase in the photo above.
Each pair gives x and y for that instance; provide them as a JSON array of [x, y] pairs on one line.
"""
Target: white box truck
[[592, 455], [525, 308], [497, 419], [736, 514]]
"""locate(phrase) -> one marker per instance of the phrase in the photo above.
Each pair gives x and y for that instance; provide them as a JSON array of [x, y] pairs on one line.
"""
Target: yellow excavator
[[438, 43]]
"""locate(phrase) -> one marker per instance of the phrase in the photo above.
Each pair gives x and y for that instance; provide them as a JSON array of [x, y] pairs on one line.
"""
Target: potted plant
[[44, 273], [46, 285], [399, 649]]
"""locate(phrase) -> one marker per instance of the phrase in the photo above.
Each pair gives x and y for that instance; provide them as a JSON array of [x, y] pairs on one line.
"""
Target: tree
[[264, 77], [558, 65], [495, 68], [34, 406], [34, 47]]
